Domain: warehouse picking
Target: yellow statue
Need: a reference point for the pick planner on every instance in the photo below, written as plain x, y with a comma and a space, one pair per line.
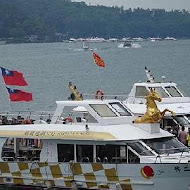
74, 93
153, 114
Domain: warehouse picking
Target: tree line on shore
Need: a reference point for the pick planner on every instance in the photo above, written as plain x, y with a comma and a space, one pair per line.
57, 20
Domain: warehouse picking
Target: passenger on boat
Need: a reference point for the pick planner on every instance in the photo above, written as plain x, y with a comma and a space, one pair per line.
26, 121
188, 137
175, 130
183, 136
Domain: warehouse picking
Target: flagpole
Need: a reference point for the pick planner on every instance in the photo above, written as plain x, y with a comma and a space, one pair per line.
99, 77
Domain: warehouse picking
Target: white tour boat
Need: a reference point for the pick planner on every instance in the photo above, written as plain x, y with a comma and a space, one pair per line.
172, 98
93, 144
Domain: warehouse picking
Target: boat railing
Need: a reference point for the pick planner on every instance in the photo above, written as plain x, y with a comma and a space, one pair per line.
167, 153
24, 117
120, 97
6, 158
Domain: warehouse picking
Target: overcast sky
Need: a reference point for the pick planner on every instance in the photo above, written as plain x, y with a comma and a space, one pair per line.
163, 4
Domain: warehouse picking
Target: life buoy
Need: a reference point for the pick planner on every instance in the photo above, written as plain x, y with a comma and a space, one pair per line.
99, 94
68, 119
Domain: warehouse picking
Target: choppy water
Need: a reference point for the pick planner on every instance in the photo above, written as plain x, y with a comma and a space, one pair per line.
49, 67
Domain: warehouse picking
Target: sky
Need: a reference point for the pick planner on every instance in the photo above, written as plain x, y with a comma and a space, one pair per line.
161, 4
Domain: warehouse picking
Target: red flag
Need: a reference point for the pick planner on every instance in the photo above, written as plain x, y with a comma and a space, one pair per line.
98, 60
19, 95
13, 77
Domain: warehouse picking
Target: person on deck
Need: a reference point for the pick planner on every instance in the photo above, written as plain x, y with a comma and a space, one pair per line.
183, 136
188, 137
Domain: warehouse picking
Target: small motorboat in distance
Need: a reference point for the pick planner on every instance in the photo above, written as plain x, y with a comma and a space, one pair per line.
129, 44
85, 46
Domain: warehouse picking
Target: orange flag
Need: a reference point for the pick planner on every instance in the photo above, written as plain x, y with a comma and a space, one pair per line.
98, 60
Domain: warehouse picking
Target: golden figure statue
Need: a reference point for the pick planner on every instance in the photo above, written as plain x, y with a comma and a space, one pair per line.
75, 95
153, 114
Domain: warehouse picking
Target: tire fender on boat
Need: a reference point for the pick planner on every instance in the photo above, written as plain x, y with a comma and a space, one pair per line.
68, 119
99, 94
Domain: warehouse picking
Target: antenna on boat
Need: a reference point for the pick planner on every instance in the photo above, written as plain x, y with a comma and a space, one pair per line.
75, 95
149, 75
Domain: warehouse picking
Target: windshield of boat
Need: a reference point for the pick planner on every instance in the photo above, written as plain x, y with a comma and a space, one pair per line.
120, 109
188, 117
103, 110
173, 91
181, 120
161, 92
140, 149
168, 145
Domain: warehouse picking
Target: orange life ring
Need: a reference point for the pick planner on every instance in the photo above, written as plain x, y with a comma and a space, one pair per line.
99, 94
68, 119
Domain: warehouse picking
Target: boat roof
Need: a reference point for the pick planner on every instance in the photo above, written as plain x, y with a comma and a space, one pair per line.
124, 132
172, 99
116, 127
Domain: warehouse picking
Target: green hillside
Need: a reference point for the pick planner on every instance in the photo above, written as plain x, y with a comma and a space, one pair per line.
55, 20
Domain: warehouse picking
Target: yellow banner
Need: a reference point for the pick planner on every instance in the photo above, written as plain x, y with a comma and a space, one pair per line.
59, 135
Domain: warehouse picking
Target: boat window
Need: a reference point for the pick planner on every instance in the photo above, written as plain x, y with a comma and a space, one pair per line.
141, 91
173, 91
140, 149
65, 152
24, 150
72, 114
120, 109
181, 120
132, 158
103, 110
168, 123
84, 153
111, 153
188, 117
161, 92
169, 145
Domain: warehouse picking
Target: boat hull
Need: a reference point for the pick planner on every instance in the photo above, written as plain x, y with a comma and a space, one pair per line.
96, 175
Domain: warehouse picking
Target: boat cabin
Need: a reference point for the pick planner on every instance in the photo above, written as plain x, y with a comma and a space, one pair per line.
89, 131
172, 98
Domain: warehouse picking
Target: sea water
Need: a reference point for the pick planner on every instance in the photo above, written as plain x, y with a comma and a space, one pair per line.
49, 67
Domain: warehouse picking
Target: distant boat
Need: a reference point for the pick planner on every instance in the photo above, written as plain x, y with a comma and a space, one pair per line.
170, 38
129, 44
139, 39
155, 39
85, 46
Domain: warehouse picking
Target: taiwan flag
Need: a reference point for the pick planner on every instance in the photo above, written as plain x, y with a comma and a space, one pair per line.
13, 77
98, 60
19, 95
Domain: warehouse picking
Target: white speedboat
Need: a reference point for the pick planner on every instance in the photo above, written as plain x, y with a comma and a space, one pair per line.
129, 44
153, 39
85, 46
172, 98
170, 38
93, 144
